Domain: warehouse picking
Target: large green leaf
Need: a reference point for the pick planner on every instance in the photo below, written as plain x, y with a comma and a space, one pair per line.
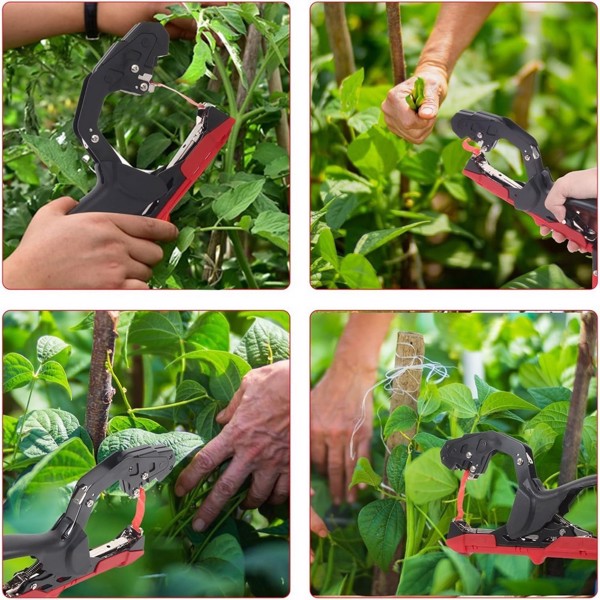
416, 578
61, 157
202, 56
53, 372
350, 89
427, 440
458, 399
382, 525
65, 464
454, 157
470, 577
402, 418
156, 330
182, 443
130, 422
395, 466
544, 396
44, 430
428, 479
274, 226
211, 331
555, 415
236, 200
9, 431
364, 473
375, 239
541, 439
151, 148
548, 277
263, 344
358, 273
375, 153
18, 371
206, 426
327, 249
501, 401
51, 347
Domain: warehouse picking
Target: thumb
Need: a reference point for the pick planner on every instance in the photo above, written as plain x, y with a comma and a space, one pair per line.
61, 206
431, 105
227, 413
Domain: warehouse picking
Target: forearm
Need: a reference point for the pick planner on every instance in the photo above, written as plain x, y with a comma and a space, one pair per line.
456, 25
361, 340
50, 19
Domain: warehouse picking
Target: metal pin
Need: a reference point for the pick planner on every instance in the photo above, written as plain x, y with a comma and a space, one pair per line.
143, 86
468, 455
479, 135
473, 469
519, 461
135, 69
89, 503
95, 139
145, 476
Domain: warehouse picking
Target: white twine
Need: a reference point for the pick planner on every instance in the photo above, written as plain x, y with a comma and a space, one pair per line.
436, 373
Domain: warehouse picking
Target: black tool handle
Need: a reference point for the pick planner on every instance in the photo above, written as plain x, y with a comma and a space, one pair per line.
582, 215
15, 546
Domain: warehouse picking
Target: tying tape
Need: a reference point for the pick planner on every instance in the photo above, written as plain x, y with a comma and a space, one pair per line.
139, 511
186, 98
460, 513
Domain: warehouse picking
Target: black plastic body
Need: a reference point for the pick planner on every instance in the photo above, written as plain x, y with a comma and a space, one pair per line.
534, 506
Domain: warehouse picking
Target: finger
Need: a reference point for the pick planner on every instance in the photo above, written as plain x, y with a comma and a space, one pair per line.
60, 206
260, 489
205, 462
179, 33
145, 227
134, 284
144, 251
227, 485
574, 247
318, 454
137, 270
431, 105
335, 469
317, 525
558, 237
544, 230
227, 413
281, 491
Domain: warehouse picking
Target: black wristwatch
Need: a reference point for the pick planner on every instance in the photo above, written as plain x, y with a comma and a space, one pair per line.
90, 15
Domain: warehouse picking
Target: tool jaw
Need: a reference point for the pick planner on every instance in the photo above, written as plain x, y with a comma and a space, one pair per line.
63, 554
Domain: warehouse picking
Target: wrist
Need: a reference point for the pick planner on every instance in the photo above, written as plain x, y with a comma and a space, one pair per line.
12, 273
431, 65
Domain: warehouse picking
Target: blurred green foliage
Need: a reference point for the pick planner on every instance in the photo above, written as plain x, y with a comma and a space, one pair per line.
526, 363
471, 239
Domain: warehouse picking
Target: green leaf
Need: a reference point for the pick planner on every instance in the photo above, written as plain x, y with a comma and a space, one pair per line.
395, 466
421, 166
211, 331
278, 167
544, 396
416, 578
454, 157
364, 473
9, 431
350, 89
156, 330
427, 479
182, 443
457, 398
65, 464
358, 273
206, 426
375, 239
61, 157
541, 439
268, 152
225, 371
49, 347
263, 344
469, 575
189, 390
555, 415
429, 402
427, 440
327, 249
465, 96
53, 372
484, 390
17, 371
548, 277
44, 430
151, 148
374, 153
382, 525
402, 419
198, 67
236, 200
274, 226
226, 35
500, 401
122, 422
219, 570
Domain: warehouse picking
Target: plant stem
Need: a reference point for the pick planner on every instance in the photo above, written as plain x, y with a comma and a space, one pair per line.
164, 406
240, 254
20, 434
122, 390
183, 361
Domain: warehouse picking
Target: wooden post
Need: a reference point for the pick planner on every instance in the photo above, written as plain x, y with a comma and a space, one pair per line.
101, 391
339, 39
410, 350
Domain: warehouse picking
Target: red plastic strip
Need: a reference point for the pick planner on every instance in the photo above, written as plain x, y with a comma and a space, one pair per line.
186, 98
585, 548
460, 513
139, 511
468, 145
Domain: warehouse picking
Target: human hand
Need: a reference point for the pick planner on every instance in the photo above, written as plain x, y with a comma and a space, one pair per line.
336, 404
86, 250
403, 120
256, 437
577, 184
118, 18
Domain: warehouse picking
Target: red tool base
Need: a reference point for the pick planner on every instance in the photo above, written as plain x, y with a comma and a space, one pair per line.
565, 547
196, 162
118, 560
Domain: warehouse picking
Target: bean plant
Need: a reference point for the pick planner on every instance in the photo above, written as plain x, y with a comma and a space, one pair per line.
234, 223
173, 372
400, 521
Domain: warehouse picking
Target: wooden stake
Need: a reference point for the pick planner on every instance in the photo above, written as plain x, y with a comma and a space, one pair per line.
339, 40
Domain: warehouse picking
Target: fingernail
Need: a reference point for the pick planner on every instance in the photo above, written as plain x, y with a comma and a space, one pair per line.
426, 112
198, 525
179, 490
